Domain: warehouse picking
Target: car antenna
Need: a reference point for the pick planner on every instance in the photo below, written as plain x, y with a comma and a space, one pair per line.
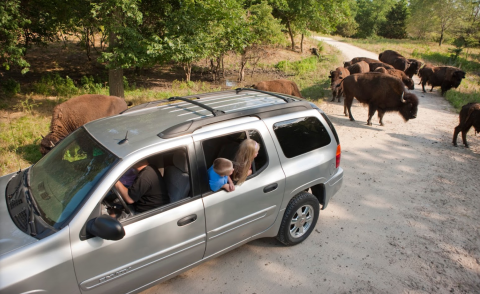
123, 141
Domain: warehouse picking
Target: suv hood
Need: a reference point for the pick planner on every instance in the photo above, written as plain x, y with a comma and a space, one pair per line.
11, 237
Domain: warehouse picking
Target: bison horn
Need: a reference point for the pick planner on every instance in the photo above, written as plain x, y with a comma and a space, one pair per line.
51, 144
403, 100
42, 136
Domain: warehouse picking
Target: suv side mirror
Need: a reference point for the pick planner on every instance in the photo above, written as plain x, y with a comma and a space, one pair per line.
106, 227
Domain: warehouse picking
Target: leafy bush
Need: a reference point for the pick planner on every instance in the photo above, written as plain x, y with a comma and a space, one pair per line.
298, 67
10, 87
55, 85
90, 86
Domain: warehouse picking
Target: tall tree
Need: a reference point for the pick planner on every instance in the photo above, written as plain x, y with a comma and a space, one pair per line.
259, 28
370, 15
395, 24
127, 46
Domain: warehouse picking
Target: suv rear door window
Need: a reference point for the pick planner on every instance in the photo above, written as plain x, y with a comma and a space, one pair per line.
301, 135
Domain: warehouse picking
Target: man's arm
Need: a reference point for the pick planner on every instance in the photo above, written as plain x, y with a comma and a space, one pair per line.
123, 192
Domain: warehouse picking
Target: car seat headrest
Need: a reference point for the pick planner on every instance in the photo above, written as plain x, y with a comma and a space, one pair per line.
180, 161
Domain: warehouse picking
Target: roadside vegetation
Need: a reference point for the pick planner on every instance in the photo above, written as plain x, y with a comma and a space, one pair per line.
25, 110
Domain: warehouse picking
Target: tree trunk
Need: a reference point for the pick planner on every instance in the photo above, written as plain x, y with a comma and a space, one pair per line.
301, 44
115, 75
243, 63
441, 37
187, 67
291, 35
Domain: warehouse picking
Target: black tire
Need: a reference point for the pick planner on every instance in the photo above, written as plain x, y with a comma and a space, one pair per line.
290, 234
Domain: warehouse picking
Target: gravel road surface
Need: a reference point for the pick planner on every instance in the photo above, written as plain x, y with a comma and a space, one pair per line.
407, 219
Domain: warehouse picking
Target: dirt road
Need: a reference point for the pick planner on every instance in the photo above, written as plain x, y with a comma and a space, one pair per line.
407, 219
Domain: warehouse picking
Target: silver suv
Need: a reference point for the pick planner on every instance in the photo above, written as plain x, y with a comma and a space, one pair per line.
56, 236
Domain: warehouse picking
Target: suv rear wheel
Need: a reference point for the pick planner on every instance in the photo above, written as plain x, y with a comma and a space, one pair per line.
299, 219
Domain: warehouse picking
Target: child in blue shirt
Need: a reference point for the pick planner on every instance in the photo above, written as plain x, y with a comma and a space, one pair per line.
219, 175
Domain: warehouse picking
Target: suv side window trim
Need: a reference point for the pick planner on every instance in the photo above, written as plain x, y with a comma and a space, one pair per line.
202, 165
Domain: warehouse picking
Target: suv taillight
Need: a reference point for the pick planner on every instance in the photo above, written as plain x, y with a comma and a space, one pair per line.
337, 158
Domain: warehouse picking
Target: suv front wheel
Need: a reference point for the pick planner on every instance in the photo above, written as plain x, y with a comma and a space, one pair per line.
299, 219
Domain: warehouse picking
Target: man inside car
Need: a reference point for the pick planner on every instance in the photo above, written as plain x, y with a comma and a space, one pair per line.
148, 190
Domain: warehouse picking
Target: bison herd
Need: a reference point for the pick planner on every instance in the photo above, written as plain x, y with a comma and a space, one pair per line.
380, 84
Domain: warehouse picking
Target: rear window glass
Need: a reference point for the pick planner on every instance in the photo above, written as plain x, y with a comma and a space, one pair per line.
301, 135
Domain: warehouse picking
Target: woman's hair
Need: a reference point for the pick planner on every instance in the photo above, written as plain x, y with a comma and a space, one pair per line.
243, 159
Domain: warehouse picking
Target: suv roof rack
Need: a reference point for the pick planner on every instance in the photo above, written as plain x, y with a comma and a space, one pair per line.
190, 126
286, 99
215, 112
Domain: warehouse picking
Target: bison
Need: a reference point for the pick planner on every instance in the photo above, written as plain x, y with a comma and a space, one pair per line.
374, 65
446, 77
279, 86
335, 77
469, 116
395, 59
72, 114
413, 68
380, 92
408, 82
357, 60
359, 67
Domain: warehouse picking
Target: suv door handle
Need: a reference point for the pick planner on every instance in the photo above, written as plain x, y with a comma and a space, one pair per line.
186, 220
270, 188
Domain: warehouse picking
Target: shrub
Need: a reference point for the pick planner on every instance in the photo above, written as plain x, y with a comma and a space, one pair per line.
10, 87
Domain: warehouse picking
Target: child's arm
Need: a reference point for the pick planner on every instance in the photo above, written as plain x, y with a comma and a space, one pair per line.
230, 183
229, 186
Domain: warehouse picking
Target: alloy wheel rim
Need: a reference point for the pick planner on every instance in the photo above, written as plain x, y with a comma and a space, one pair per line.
301, 221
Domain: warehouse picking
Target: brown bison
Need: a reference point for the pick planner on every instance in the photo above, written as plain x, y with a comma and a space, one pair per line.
72, 114
395, 59
413, 68
336, 77
359, 67
374, 65
279, 86
408, 82
469, 116
380, 92
358, 59
446, 77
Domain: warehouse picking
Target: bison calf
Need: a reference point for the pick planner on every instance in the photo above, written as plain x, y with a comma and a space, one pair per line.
469, 116
279, 86
336, 77
72, 114
380, 92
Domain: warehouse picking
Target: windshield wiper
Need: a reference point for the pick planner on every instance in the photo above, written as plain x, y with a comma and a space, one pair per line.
32, 205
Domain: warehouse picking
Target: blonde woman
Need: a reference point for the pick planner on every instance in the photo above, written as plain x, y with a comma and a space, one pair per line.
246, 153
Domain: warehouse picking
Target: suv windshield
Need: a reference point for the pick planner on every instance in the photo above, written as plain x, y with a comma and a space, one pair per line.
62, 179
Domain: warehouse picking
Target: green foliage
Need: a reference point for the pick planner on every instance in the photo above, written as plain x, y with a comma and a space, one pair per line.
90, 86
10, 87
298, 67
394, 26
55, 85
11, 26
26, 105
370, 15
